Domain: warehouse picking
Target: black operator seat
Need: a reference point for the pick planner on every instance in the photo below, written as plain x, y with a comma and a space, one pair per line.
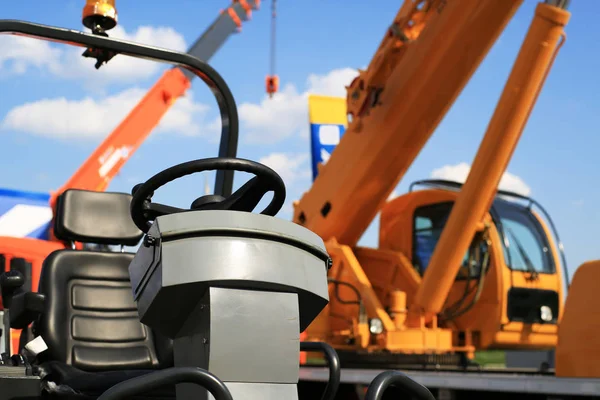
89, 320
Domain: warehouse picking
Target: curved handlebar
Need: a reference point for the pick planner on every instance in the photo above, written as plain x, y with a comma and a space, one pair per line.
224, 97
154, 380
333, 361
400, 380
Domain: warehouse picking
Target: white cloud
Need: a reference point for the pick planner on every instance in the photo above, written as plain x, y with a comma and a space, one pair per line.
286, 114
459, 173
270, 121
290, 166
295, 170
393, 195
332, 84
90, 118
18, 54
185, 117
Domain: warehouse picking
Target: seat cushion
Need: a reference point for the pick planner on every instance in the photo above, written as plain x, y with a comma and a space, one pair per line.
91, 321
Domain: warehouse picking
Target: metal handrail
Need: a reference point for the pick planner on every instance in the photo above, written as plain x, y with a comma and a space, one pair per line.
217, 85
170, 376
333, 362
400, 380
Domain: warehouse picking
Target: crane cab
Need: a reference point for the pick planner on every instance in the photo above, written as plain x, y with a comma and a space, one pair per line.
509, 290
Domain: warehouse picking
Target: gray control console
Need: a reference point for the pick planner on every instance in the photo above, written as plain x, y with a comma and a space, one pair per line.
234, 290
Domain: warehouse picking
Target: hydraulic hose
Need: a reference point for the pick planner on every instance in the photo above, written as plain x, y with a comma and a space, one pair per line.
146, 383
333, 362
397, 379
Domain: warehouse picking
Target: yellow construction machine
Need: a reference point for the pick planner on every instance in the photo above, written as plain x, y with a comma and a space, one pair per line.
458, 268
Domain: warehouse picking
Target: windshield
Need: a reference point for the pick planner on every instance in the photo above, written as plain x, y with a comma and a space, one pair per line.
429, 222
525, 245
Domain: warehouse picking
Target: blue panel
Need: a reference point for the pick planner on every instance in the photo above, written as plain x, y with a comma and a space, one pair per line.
43, 232
9, 199
320, 152
40, 198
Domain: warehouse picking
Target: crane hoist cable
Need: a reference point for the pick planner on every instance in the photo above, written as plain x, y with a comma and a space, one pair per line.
272, 81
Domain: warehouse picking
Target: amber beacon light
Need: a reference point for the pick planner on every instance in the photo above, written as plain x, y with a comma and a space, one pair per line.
99, 15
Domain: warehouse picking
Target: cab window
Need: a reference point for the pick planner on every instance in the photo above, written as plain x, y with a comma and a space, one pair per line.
429, 221
525, 245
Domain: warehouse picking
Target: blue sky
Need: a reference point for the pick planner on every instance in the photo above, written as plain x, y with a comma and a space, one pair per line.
319, 45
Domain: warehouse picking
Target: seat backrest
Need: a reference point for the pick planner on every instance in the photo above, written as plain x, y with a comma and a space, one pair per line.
91, 321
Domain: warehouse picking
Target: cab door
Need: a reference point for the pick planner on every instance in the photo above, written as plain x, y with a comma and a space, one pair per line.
534, 292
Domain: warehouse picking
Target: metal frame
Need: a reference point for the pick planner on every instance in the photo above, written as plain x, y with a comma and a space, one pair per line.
222, 93
384, 380
333, 362
170, 376
500, 382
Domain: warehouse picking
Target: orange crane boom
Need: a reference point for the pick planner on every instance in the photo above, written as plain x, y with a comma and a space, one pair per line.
456, 270
104, 163
107, 159
503, 133
393, 113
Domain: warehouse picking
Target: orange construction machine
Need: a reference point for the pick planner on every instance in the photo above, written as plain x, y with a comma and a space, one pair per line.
458, 268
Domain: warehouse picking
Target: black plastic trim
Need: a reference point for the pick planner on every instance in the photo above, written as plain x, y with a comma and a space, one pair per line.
524, 304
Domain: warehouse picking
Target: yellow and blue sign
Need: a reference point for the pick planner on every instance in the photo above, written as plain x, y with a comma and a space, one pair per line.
328, 122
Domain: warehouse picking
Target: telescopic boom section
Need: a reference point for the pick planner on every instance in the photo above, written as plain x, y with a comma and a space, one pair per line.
427, 57
106, 161
514, 107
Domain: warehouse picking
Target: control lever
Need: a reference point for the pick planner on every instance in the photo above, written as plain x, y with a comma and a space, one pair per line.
10, 283
6, 360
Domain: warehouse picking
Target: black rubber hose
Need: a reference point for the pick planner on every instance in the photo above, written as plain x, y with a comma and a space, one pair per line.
400, 380
333, 362
337, 283
154, 380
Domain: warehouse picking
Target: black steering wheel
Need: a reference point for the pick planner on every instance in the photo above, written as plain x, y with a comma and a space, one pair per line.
246, 198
